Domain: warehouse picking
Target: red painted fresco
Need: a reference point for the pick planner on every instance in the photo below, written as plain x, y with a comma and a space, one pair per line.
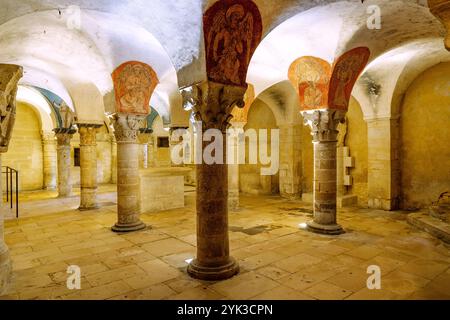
134, 83
345, 73
311, 76
232, 30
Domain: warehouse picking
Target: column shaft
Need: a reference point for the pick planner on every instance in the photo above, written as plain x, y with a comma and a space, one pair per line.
64, 162
213, 102
88, 167
325, 182
324, 130
49, 160
128, 185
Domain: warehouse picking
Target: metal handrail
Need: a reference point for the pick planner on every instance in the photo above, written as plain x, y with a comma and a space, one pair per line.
9, 187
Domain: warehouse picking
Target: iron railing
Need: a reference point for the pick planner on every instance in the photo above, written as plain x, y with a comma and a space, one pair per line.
10, 174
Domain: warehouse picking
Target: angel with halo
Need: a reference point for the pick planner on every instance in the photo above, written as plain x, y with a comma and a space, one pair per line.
229, 43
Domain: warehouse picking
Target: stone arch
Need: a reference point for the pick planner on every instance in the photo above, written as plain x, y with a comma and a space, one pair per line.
40, 105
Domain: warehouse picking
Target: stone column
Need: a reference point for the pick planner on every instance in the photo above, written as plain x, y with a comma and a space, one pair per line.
128, 210
290, 161
63, 137
233, 167
383, 179
151, 160
88, 166
213, 103
49, 160
323, 125
144, 138
9, 78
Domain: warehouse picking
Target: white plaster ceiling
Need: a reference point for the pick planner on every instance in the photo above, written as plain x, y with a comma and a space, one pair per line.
168, 36
79, 62
327, 31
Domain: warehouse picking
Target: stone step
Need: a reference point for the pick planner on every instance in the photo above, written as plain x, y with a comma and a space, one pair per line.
434, 226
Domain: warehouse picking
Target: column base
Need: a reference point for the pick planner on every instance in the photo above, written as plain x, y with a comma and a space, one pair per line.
331, 229
129, 227
213, 273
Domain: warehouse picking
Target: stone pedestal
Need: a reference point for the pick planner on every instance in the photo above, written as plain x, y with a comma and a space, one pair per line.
323, 128
212, 104
88, 166
49, 157
153, 198
63, 137
128, 212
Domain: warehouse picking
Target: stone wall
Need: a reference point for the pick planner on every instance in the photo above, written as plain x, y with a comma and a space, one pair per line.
25, 152
160, 156
259, 117
356, 140
425, 136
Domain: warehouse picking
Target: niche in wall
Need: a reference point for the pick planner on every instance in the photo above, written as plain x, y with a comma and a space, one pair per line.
76, 157
163, 142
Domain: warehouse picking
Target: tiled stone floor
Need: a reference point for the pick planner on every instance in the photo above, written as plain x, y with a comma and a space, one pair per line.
278, 260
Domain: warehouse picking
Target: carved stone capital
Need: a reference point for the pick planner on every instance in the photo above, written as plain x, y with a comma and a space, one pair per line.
9, 77
212, 103
126, 127
63, 139
324, 123
441, 9
88, 134
64, 135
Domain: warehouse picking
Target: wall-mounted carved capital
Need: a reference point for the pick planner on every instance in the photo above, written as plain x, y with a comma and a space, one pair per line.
48, 138
324, 123
441, 9
126, 127
88, 133
9, 77
212, 103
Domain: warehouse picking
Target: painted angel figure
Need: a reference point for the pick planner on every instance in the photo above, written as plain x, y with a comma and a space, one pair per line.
345, 73
135, 81
229, 43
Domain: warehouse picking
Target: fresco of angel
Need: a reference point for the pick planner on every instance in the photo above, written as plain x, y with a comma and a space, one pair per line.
229, 44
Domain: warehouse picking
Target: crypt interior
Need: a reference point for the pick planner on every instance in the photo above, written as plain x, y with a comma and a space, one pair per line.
349, 99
